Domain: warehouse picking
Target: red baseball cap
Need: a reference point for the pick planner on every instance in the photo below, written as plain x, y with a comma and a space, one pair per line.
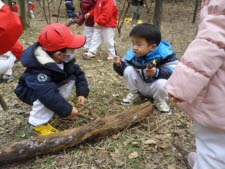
57, 36
10, 29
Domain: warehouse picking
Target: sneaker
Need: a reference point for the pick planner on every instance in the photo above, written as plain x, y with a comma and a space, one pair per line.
6, 78
88, 55
163, 108
130, 99
109, 58
192, 158
44, 129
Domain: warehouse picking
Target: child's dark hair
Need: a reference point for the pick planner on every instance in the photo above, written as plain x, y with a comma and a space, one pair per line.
149, 32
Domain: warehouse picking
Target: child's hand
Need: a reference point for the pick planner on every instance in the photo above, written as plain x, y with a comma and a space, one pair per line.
87, 15
96, 26
81, 100
117, 60
175, 100
73, 113
151, 72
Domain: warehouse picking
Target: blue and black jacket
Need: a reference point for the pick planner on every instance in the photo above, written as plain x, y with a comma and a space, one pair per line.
43, 77
70, 10
163, 55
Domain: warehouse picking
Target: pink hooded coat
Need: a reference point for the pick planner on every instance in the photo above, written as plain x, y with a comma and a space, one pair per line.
199, 79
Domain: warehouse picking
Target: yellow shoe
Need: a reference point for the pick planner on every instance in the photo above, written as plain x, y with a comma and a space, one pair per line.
45, 129
139, 22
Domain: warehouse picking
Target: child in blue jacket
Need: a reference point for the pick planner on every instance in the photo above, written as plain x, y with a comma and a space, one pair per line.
70, 10
50, 76
147, 66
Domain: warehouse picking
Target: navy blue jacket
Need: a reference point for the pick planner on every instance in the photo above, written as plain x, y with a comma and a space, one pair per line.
70, 10
165, 62
43, 77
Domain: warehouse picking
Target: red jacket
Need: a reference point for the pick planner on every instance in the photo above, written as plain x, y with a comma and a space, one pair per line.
86, 6
15, 8
105, 13
31, 6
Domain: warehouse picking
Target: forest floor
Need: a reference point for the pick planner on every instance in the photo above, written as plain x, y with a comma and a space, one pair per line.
155, 140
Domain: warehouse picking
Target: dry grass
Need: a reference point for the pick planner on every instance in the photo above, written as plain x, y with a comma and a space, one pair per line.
152, 139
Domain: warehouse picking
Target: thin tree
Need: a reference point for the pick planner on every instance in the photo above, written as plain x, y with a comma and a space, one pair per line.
23, 14
158, 12
59, 10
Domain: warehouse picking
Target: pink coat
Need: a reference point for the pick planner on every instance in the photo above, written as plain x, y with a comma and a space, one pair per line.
199, 79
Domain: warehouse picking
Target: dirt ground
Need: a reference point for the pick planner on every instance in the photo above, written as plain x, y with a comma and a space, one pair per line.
158, 142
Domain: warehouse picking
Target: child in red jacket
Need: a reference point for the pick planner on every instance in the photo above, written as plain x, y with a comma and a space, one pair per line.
105, 18
86, 6
31, 8
15, 7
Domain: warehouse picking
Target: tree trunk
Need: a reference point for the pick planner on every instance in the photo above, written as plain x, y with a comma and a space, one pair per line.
98, 129
59, 10
158, 12
23, 14
122, 16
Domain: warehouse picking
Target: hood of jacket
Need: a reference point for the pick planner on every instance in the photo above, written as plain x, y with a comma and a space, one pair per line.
35, 57
162, 51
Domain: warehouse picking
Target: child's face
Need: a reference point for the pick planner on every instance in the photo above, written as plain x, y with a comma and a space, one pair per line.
141, 47
60, 57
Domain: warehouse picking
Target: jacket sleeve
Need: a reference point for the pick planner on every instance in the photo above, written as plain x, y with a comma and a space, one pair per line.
48, 94
106, 13
120, 69
84, 9
81, 82
203, 56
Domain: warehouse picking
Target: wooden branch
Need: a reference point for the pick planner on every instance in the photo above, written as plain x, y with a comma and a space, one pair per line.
98, 129
3, 103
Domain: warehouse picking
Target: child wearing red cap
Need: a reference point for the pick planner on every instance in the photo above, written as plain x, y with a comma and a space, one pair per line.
50, 76
105, 18
10, 30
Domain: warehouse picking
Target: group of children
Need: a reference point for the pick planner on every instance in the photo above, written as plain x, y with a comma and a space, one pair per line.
197, 84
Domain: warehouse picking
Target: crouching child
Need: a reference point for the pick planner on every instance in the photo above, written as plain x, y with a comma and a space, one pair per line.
50, 75
147, 66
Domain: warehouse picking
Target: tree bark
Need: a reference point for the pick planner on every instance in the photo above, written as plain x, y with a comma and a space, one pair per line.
122, 16
23, 14
95, 130
158, 12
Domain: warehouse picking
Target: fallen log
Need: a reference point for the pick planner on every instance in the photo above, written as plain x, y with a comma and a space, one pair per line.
98, 129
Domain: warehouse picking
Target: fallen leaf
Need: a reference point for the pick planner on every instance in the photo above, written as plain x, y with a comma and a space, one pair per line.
133, 155
149, 142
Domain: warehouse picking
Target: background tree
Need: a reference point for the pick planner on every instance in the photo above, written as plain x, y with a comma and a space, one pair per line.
23, 17
158, 12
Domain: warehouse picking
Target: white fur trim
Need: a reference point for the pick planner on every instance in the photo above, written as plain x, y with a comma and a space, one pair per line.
42, 56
